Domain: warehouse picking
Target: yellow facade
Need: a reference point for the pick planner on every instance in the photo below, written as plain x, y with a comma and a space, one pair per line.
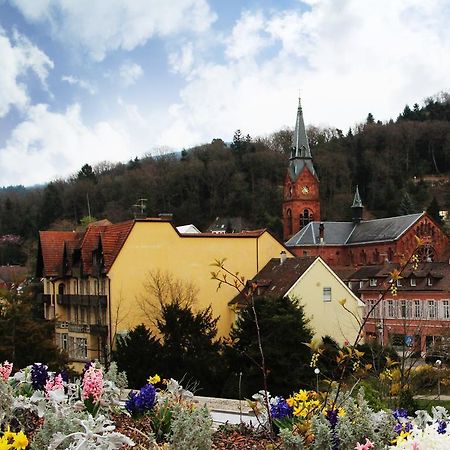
320, 290
157, 246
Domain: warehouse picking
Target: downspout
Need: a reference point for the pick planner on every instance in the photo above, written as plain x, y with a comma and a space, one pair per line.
109, 317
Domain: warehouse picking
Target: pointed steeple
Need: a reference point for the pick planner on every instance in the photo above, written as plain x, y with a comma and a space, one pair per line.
300, 152
300, 141
357, 207
357, 203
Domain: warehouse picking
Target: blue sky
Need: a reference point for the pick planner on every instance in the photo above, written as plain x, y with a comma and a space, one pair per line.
107, 80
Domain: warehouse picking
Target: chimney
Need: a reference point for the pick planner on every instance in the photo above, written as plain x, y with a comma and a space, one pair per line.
283, 257
166, 216
321, 233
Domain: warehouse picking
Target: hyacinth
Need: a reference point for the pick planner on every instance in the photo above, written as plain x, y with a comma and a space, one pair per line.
142, 401
279, 409
5, 370
430, 438
92, 384
39, 376
53, 384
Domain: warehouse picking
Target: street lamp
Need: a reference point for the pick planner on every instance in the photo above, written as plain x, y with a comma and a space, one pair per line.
317, 371
438, 365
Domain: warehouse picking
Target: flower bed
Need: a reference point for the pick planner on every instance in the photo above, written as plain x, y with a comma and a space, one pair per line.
43, 410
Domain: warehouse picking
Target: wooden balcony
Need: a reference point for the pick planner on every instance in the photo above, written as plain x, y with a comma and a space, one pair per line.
70, 327
81, 300
44, 298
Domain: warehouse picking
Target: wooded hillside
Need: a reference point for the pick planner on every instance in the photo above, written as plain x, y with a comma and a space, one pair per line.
399, 167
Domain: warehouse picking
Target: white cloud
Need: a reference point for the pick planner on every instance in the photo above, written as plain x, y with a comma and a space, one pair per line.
181, 61
348, 58
49, 145
130, 73
103, 26
248, 37
19, 57
83, 84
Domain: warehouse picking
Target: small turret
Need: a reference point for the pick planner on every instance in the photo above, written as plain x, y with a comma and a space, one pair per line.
357, 207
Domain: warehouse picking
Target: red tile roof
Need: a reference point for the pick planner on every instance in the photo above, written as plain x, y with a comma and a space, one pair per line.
98, 235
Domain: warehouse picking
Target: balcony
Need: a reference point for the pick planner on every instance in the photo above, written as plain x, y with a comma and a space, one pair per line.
95, 329
82, 300
44, 298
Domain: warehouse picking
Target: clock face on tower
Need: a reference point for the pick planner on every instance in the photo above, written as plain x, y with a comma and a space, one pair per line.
305, 189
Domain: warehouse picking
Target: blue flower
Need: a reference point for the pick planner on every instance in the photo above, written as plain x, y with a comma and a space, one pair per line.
142, 401
400, 413
39, 376
280, 409
442, 427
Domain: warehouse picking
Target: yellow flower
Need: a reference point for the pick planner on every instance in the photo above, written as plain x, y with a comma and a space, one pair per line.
20, 441
4, 444
8, 434
154, 379
290, 401
341, 412
301, 396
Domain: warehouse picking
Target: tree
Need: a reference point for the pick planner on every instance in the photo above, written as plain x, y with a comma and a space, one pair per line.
189, 347
190, 350
51, 206
407, 205
370, 119
86, 173
25, 338
433, 210
284, 331
138, 354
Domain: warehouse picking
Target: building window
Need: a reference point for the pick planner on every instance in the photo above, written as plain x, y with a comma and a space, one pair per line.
391, 309
47, 287
81, 348
62, 339
399, 283
373, 282
371, 305
327, 294
417, 309
446, 309
88, 286
102, 286
413, 281
361, 284
403, 309
82, 287
429, 281
431, 309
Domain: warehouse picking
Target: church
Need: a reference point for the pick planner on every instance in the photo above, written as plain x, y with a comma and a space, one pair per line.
354, 243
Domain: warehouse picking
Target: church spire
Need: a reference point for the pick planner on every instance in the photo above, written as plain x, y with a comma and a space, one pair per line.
300, 152
357, 207
300, 141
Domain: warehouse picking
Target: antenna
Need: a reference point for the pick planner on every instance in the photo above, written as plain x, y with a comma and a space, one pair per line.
140, 206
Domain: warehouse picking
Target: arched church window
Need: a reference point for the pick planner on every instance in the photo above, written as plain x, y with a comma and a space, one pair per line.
306, 217
390, 254
363, 257
375, 257
289, 221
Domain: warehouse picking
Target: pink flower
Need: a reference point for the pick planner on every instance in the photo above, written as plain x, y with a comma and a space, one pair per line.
93, 384
5, 370
365, 446
53, 384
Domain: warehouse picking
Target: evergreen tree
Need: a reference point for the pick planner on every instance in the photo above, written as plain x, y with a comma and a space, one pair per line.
284, 331
370, 119
51, 206
407, 205
138, 354
190, 351
433, 210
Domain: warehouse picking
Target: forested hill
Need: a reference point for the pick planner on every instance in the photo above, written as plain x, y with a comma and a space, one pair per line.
399, 167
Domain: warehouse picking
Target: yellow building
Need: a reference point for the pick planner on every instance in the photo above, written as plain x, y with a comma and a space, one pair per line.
95, 281
317, 287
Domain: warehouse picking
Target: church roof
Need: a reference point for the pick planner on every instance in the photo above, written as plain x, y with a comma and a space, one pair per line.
349, 233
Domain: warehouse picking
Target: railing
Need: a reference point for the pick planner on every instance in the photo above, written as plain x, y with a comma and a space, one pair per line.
82, 300
44, 298
82, 328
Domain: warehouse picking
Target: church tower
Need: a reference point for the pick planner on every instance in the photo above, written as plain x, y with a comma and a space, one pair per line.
301, 203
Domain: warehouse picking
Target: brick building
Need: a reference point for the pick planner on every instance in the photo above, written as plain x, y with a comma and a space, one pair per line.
358, 242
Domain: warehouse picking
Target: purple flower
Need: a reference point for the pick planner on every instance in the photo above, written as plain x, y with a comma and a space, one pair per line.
39, 376
442, 427
400, 413
332, 416
281, 409
142, 401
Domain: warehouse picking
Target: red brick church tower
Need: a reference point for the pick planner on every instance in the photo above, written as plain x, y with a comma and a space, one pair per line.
301, 203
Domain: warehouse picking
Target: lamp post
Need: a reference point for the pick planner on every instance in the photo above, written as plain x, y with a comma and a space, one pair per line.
438, 365
317, 372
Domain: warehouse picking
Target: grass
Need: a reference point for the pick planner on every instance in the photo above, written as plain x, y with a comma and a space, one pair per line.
427, 404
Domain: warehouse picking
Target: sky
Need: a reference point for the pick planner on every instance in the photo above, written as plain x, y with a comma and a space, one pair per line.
110, 80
